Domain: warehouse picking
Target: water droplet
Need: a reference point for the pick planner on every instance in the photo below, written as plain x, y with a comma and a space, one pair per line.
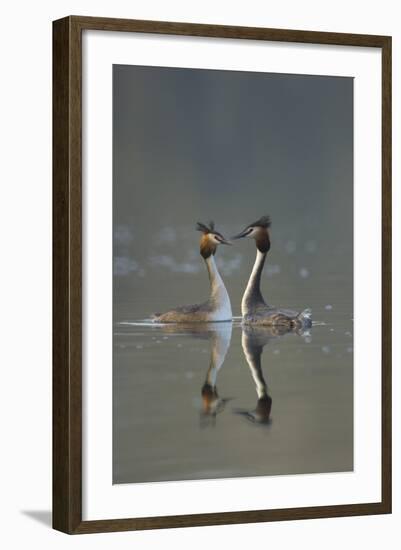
276, 352
328, 307
326, 349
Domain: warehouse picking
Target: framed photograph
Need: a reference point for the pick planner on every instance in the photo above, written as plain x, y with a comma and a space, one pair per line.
222, 274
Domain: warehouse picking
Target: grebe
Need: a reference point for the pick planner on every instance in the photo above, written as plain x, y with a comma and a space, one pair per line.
254, 308
218, 306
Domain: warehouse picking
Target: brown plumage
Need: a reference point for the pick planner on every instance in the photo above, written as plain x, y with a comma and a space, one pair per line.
207, 246
218, 306
253, 306
262, 241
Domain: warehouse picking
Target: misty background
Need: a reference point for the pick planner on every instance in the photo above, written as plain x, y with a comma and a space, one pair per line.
193, 145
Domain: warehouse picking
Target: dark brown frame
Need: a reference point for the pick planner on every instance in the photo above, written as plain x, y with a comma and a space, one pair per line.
67, 274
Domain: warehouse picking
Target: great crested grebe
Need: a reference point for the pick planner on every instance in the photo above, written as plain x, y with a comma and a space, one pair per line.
218, 306
254, 308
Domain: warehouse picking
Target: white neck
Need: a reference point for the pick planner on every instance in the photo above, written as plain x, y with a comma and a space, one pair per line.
253, 355
220, 343
252, 295
219, 298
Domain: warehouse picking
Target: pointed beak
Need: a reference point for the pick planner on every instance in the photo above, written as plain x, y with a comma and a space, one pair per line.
241, 235
222, 240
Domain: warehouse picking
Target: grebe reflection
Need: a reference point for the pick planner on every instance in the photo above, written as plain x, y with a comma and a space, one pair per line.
254, 339
219, 335
212, 403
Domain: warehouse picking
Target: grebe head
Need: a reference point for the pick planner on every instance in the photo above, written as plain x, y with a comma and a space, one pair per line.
210, 239
259, 231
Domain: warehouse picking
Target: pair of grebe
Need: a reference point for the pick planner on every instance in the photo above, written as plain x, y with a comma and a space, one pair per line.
255, 311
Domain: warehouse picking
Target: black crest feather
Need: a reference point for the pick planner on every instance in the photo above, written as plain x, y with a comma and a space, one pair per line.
205, 228
264, 221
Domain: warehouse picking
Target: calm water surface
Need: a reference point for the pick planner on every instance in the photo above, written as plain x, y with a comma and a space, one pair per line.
217, 400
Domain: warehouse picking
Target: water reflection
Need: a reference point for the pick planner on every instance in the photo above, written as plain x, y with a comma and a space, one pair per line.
219, 335
220, 384
253, 341
212, 403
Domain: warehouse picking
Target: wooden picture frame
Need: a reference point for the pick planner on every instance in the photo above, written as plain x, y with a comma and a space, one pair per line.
67, 274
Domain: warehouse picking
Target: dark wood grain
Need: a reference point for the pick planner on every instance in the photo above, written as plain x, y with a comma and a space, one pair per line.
67, 274
225, 31
67, 277
229, 518
386, 276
